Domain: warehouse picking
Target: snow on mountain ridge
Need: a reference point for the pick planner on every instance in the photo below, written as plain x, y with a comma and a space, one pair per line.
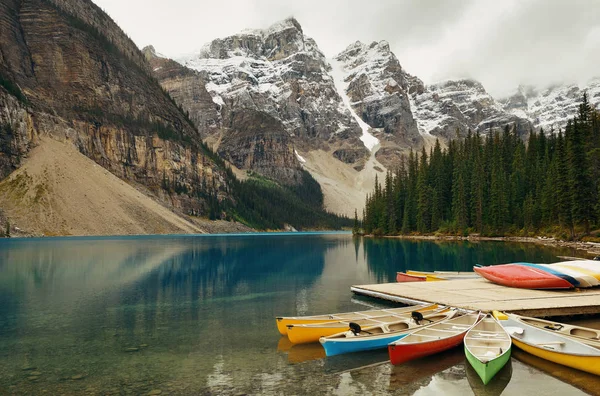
449, 108
552, 107
337, 73
377, 89
281, 72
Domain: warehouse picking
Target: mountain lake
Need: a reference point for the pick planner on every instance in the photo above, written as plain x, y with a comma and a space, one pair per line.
187, 315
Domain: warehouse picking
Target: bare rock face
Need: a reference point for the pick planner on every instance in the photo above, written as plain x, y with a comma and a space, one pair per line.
188, 89
378, 90
247, 138
79, 78
450, 108
282, 73
552, 107
17, 133
259, 142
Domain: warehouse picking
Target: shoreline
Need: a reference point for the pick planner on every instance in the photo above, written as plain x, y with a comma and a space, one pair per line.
591, 249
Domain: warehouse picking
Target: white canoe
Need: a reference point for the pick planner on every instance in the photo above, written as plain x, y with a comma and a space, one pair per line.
582, 334
552, 346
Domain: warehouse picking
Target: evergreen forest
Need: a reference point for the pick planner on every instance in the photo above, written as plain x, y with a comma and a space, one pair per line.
496, 185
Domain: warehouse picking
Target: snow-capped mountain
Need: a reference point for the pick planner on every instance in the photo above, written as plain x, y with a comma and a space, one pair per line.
377, 91
270, 101
280, 72
552, 107
391, 100
452, 106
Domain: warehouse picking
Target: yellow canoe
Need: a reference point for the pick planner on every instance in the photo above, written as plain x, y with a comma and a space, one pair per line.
307, 333
552, 346
284, 321
443, 275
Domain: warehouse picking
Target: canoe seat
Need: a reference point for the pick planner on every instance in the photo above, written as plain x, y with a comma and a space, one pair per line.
490, 354
485, 338
442, 330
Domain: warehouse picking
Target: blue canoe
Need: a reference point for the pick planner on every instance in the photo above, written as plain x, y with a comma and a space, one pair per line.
377, 337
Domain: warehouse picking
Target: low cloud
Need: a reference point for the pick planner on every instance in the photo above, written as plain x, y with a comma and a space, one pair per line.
500, 43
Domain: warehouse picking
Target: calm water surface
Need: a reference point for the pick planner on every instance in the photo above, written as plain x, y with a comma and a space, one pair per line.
195, 315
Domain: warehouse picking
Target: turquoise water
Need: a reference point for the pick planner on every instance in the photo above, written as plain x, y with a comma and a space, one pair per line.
195, 315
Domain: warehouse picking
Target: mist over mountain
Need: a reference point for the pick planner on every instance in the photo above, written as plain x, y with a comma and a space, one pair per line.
501, 44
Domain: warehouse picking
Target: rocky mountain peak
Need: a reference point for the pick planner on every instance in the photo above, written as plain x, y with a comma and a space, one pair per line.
550, 108
149, 52
280, 40
377, 88
277, 77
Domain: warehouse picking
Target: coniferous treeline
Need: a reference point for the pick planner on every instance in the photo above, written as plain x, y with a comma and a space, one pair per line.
265, 204
496, 185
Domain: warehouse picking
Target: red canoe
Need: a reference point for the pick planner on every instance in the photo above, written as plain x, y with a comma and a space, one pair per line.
524, 277
404, 277
432, 339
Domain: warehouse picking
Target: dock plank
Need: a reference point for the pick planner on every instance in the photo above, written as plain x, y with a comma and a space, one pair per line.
480, 294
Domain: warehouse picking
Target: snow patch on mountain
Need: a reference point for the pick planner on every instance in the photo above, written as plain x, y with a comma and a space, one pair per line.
450, 108
377, 88
338, 75
278, 71
300, 158
552, 107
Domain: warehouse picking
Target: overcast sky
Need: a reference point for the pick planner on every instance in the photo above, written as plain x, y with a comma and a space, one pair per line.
502, 43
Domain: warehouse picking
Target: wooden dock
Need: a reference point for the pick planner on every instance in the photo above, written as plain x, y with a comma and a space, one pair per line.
479, 294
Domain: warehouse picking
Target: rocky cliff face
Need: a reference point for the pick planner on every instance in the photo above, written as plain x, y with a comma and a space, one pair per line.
378, 90
247, 138
79, 78
552, 107
282, 74
450, 108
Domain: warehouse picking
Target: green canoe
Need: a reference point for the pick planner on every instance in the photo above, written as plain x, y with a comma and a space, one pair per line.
487, 348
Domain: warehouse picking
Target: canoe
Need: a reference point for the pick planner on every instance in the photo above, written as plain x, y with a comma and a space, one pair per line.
496, 386
591, 266
582, 334
584, 280
284, 321
432, 339
552, 346
487, 348
553, 271
376, 337
404, 277
522, 276
442, 275
306, 333
586, 270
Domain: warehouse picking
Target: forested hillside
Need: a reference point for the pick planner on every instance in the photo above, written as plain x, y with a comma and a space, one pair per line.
496, 185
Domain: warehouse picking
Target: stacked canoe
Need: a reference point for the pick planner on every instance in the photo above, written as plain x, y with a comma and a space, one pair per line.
435, 276
563, 275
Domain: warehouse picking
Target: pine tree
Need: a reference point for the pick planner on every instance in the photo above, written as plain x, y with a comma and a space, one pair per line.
579, 182
424, 197
459, 194
356, 227
478, 188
